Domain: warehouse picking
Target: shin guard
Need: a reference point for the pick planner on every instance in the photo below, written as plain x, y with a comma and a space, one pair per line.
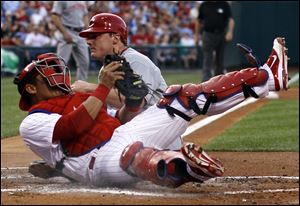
216, 89
162, 167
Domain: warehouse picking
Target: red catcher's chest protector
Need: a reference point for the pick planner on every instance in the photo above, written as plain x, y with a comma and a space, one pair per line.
100, 132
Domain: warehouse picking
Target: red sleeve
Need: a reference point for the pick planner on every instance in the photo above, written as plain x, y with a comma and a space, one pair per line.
76, 122
73, 124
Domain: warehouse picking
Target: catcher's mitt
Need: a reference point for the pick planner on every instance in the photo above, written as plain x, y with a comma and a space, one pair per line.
132, 86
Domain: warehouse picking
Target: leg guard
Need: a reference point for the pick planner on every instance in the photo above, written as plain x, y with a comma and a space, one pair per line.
170, 168
162, 167
216, 89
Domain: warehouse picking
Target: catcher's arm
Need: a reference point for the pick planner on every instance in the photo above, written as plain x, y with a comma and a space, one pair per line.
112, 99
125, 114
78, 121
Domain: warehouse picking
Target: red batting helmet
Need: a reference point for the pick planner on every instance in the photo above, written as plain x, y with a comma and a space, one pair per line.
52, 68
106, 23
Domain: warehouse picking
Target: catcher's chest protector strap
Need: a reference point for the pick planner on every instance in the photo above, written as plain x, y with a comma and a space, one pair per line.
216, 89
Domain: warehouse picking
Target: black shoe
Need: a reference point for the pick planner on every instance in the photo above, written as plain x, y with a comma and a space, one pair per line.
39, 168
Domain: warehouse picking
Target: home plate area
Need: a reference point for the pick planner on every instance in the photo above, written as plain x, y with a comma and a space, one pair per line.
16, 181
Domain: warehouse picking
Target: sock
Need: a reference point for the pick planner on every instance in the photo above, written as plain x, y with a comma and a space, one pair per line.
271, 81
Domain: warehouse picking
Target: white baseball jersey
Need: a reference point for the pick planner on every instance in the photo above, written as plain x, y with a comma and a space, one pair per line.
149, 72
154, 127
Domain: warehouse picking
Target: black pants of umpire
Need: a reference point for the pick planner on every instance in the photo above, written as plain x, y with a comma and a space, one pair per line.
213, 42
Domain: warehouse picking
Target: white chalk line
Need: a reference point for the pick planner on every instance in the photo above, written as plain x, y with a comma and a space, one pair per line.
46, 190
14, 168
254, 177
15, 177
213, 179
210, 119
19, 176
262, 191
294, 79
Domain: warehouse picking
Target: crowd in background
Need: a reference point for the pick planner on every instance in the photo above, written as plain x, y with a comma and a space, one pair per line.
163, 23
149, 22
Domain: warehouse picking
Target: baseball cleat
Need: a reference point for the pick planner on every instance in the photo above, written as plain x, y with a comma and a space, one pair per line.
199, 164
277, 62
39, 168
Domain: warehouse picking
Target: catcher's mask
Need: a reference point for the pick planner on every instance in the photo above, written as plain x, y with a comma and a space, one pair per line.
106, 23
52, 68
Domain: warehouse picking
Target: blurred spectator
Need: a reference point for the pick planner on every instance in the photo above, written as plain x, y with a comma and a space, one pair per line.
8, 29
151, 14
97, 7
188, 55
143, 36
149, 22
36, 38
20, 35
10, 6
21, 14
39, 14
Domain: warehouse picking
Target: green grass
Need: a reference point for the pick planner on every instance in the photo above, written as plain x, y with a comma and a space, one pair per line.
11, 116
171, 77
182, 77
274, 127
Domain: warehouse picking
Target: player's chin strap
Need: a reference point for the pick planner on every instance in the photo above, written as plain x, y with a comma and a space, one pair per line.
216, 89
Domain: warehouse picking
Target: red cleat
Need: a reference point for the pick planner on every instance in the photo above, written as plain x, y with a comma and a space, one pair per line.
277, 62
200, 165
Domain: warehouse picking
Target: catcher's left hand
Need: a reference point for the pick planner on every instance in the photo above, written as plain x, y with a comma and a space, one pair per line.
132, 86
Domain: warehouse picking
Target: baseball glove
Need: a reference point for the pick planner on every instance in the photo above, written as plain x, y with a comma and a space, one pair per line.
132, 86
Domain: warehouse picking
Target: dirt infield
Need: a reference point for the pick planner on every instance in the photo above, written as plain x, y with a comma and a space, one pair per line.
250, 177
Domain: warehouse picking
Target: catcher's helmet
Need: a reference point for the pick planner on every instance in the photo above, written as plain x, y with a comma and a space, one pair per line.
51, 67
106, 23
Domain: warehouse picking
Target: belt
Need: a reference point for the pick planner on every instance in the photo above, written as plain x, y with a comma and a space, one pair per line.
78, 29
